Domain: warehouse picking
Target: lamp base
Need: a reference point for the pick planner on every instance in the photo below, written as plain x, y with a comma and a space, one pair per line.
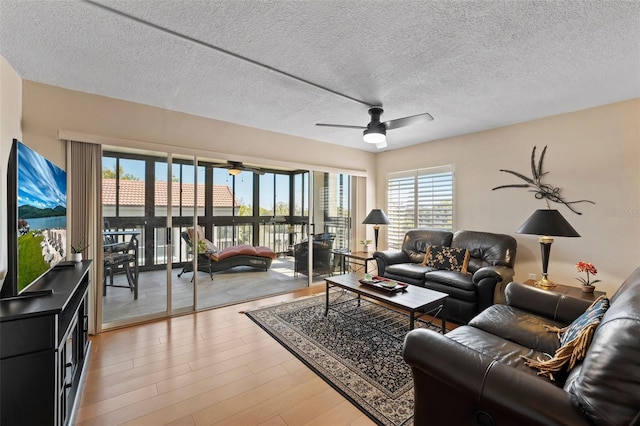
545, 283
545, 249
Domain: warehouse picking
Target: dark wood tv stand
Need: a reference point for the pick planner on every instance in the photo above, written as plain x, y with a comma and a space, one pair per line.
44, 349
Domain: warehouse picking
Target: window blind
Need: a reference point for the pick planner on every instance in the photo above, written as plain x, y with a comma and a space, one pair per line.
419, 199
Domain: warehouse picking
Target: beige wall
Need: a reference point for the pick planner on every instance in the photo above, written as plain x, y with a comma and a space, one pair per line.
10, 115
592, 154
50, 111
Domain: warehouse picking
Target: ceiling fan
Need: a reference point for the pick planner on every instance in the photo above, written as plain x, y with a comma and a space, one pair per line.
376, 132
236, 167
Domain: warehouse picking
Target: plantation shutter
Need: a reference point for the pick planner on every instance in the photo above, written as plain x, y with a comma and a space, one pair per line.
401, 206
435, 199
419, 199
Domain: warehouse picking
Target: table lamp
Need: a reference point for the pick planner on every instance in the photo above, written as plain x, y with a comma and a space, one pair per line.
376, 218
547, 223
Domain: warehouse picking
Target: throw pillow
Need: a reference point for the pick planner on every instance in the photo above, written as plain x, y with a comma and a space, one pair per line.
205, 244
199, 231
209, 246
574, 340
448, 258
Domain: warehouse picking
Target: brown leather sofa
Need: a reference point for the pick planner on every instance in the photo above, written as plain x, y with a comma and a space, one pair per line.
490, 269
477, 369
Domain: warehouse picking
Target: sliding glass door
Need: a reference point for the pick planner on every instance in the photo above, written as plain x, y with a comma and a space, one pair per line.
187, 201
330, 221
154, 205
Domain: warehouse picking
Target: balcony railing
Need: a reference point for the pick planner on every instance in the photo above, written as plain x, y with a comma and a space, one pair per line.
280, 237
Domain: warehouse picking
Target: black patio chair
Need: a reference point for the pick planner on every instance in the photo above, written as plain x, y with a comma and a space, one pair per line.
119, 257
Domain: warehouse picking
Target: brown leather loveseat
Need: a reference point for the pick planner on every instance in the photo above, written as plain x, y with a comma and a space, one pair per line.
489, 270
479, 370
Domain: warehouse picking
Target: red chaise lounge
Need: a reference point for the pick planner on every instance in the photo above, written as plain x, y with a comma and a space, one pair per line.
212, 260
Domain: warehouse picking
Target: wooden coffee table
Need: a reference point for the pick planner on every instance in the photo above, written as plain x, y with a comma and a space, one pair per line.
417, 301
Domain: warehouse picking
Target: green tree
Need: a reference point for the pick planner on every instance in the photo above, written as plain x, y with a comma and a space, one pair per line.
282, 209
265, 212
108, 173
245, 210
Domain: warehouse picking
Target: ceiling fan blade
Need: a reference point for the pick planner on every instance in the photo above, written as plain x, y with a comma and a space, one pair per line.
344, 126
254, 170
408, 121
381, 145
238, 165
222, 165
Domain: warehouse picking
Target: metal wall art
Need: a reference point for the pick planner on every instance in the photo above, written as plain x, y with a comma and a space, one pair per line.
542, 190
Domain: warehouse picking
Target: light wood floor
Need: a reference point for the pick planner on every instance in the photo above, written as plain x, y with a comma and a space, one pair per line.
210, 368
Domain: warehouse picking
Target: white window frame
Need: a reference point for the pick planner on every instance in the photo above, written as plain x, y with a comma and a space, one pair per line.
411, 195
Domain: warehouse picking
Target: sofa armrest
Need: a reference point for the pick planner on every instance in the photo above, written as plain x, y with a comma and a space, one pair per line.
498, 273
482, 388
491, 282
546, 303
389, 257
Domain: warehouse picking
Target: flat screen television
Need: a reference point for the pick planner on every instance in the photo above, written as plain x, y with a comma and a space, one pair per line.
37, 218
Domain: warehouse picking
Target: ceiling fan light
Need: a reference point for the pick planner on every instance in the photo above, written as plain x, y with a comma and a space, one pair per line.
235, 172
374, 136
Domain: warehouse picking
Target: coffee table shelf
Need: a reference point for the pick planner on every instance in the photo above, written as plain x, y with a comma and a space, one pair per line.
416, 301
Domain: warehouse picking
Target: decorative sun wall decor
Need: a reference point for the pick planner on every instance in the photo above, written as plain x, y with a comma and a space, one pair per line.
542, 190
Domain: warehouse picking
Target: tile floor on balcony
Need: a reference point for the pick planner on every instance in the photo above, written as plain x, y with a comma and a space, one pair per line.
227, 287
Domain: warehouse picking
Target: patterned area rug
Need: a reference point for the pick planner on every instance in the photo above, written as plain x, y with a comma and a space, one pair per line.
356, 349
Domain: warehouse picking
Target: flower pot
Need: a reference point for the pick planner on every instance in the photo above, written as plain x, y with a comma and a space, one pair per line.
75, 257
587, 288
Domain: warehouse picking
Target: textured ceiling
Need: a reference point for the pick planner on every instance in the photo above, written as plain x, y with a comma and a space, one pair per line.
473, 65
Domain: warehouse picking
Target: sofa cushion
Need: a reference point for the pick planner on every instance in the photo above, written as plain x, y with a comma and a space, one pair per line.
243, 249
416, 241
447, 258
574, 340
502, 350
234, 251
486, 248
519, 326
415, 271
263, 251
455, 284
111, 259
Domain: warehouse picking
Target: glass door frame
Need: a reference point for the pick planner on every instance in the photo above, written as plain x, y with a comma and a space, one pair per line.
320, 186
150, 235
173, 240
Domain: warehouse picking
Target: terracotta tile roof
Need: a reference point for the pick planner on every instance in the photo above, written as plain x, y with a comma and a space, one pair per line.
132, 194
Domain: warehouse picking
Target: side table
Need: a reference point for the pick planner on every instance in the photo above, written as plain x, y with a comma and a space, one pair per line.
570, 291
360, 259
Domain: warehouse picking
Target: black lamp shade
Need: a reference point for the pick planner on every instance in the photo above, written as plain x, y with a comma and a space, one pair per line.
376, 217
547, 222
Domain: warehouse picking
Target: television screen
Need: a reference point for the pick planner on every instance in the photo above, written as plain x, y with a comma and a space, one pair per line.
41, 213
